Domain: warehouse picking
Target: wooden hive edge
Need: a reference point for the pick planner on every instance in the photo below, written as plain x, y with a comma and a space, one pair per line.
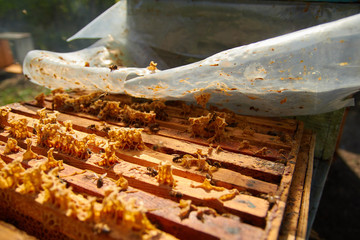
281, 176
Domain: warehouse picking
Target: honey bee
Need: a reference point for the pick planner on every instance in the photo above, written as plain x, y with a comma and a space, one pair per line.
209, 162
158, 146
152, 172
177, 158
91, 127
99, 180
154, 127
113, 67
217, 164
106, 129
176, 194
89, 151
212, 181
101, 228
213, 117
271, 197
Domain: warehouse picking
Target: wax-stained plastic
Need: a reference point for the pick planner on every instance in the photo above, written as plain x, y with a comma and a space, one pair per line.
310, 71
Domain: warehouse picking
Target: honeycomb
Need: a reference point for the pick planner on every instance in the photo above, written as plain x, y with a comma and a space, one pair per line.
54, 135
109, 158
210, 126
42, 182
127, 138
29, 154
103, 109
11, 146
165, 175
40, 99
18, 128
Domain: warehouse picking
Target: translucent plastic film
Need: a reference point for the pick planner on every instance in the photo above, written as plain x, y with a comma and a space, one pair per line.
310, 71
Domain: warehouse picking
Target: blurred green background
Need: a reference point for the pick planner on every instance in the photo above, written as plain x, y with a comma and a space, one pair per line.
50, 23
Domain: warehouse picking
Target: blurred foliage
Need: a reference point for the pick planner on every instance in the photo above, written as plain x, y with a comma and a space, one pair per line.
15, 88
51, 22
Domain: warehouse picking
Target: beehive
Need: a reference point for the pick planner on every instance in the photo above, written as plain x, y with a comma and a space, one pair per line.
231, 186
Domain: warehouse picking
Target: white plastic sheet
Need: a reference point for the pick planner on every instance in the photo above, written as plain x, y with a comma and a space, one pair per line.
310, 71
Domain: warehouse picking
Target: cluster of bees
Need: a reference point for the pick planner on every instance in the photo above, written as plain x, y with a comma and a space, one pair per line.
211, 126
132, 116
63, 102
94, 104
113, 110
106, 110
42, 181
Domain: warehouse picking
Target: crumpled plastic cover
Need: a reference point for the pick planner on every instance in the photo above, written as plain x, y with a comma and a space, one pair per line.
310, 71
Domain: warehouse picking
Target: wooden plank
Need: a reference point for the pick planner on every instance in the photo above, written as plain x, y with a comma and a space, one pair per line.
249, 208
176, 115
6, 57
233, 134
276, 213
234, 161
305, 204
150, 158
245, 165
290, 164
326, 126
294, 202
231, 143
267, 174
10, 232
37, 216
286, 124
161, 211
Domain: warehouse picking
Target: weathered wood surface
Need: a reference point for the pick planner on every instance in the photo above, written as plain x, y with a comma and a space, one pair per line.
9, 232
302, 229
299, 197
258, 177
162, 211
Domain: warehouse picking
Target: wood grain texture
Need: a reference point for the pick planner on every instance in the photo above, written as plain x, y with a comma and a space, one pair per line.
261, 172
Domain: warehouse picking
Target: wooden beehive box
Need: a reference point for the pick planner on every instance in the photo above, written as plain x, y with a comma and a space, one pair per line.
253, 165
